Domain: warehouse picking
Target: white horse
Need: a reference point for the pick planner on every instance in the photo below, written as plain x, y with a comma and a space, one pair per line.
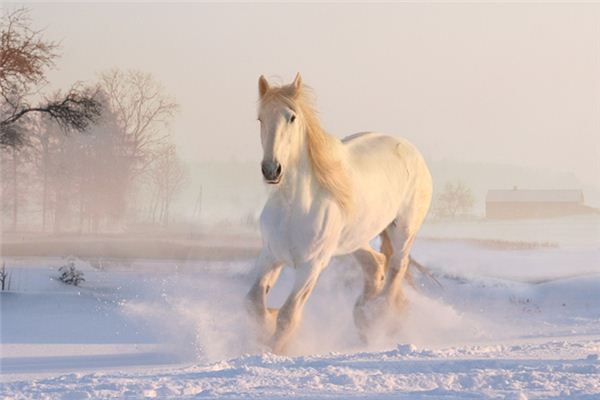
331, 197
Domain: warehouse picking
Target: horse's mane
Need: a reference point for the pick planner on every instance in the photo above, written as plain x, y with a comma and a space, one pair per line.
324, 150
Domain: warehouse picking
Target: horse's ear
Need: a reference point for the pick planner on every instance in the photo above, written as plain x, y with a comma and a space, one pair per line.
297, 84
263, 86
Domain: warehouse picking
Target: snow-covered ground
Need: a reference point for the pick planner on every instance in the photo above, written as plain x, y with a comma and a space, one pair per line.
507, 323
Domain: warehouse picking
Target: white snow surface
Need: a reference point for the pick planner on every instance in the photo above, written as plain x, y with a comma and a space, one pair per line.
518, 324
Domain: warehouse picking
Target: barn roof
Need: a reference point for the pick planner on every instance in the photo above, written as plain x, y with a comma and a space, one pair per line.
534, 196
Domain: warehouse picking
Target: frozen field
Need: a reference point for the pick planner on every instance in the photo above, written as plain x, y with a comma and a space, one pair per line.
509, 322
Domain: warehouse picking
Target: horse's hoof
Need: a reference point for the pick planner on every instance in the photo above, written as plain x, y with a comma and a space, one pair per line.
278, 347
367, 315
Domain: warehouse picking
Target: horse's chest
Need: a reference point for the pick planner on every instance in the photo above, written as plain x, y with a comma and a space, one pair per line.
295, 237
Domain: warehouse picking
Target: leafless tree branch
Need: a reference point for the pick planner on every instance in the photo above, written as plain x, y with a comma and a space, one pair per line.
24, 57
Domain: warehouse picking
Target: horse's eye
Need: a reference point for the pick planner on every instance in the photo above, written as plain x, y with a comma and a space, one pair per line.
292, 118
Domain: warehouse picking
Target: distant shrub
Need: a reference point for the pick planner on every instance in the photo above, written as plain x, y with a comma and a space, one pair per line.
456, 199
70, 275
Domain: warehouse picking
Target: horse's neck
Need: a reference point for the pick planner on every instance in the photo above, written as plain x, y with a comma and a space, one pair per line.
300, 185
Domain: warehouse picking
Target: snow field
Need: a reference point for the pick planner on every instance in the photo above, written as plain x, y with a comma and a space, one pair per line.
518, 324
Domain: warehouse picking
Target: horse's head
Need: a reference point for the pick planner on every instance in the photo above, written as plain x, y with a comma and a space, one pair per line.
280, 127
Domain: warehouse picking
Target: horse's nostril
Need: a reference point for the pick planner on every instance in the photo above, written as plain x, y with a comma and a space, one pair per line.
271, 170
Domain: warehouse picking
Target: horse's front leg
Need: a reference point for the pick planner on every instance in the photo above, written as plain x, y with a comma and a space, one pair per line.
256, 300
290, 313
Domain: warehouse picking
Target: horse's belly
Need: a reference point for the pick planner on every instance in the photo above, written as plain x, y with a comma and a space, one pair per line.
363, 228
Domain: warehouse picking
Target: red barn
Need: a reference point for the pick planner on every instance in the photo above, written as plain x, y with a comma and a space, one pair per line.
517, 203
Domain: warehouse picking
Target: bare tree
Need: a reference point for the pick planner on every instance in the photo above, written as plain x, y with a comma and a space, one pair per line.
81, 177
167, 176
25, 54
16, 179
24, 58
455, 199
103, 185
43, 161
143, 109
4, 278
75, 110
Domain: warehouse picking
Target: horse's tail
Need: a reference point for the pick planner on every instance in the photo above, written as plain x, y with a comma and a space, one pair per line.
422, 269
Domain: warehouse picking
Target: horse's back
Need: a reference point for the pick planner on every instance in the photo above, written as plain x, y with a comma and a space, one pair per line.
378, 148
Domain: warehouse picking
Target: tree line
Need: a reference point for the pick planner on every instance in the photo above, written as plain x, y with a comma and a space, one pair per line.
87, 159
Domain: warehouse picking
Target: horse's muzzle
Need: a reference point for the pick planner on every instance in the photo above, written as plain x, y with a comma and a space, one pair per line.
271, 171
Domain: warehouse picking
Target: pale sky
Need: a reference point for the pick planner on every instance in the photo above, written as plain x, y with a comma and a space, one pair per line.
499, 83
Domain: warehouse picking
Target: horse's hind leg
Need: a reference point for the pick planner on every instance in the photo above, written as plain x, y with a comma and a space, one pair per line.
400, 242
373, 266
256, 299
